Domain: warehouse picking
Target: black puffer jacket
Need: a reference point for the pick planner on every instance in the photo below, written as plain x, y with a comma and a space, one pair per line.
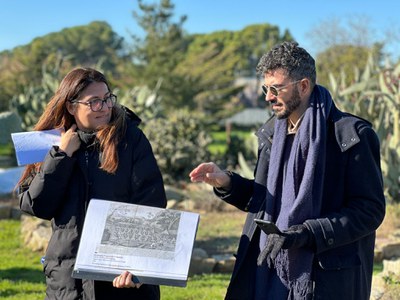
61, 191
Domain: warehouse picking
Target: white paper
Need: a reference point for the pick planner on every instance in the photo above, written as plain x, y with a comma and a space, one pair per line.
32, 147
154, 244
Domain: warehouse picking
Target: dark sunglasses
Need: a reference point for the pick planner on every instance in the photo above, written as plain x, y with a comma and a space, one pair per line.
274, 90
97, 104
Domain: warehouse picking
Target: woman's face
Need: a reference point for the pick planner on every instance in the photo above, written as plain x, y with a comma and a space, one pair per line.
86, 119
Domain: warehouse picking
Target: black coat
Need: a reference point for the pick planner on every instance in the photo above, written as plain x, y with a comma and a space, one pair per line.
61, 191
353, 207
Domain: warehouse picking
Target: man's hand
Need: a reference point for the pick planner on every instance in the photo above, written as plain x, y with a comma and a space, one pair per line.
296, 236
125, 281
210, 173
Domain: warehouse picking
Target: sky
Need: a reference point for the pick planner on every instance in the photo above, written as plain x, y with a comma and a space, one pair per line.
23, 20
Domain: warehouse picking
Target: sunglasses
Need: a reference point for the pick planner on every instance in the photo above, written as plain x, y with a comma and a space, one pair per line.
274, 90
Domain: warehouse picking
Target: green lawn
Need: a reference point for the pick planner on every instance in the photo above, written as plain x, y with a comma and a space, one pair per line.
6, 150
21, 276
20, 269
199, 287
218, 146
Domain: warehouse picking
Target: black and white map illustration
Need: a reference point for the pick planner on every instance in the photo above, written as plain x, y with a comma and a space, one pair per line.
154, 244
134, 230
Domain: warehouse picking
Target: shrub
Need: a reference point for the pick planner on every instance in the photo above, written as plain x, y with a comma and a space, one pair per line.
179, 142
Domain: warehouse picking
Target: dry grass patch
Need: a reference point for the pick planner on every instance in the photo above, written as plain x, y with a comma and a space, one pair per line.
219, 232
391, 223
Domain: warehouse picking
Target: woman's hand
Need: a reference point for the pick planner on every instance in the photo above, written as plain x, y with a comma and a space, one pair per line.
70, 141
125, 281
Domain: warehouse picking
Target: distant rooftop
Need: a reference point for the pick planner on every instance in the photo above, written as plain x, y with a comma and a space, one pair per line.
250, 117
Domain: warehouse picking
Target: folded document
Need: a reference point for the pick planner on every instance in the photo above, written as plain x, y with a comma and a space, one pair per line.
32, 146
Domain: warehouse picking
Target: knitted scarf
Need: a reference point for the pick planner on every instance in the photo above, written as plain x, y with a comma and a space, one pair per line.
293, 199
88, 138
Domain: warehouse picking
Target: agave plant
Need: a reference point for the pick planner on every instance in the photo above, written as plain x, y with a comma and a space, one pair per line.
375, 96
143, 101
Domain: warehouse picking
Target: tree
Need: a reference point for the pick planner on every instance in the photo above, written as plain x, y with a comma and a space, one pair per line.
91, 45
356, 31
344, 61
213, 62
157, 54
343, 45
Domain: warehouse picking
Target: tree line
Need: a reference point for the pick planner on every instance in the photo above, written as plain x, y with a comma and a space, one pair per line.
197, 70
174, 78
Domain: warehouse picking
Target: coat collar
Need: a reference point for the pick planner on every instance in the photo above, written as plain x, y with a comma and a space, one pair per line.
345, 126
266, 131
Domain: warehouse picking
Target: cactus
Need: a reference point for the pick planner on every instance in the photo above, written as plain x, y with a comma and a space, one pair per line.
247, 160
143, 101
179, 141
375, 96
30, 104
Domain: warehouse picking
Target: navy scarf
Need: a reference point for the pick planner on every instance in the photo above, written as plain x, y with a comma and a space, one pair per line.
299, 197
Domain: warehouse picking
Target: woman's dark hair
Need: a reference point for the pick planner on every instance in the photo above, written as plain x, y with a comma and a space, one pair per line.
56, 115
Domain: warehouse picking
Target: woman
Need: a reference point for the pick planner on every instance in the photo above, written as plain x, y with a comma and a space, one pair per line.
102, 154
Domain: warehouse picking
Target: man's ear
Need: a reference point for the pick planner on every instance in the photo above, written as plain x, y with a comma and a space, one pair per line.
305, 87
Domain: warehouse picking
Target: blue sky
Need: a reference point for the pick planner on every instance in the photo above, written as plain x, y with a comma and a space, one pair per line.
23, 20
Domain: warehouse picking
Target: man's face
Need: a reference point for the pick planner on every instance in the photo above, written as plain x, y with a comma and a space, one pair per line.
288, 99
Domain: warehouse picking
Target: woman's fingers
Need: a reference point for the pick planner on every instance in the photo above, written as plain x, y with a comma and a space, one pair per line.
69, 140
125, 281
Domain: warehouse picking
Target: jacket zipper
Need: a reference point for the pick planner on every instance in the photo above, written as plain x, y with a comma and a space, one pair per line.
87, 159
88, 183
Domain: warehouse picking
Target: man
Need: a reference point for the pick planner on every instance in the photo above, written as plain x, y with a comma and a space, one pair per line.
318, 179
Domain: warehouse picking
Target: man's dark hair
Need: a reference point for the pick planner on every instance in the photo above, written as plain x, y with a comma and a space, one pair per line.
288, 56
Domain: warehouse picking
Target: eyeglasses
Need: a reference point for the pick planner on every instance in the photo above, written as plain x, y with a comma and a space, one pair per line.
97, 104
274, 90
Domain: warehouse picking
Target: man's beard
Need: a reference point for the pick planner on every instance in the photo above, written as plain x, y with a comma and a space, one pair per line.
290, 106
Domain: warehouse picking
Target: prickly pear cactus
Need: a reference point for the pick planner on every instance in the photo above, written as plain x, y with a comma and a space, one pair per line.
30, 104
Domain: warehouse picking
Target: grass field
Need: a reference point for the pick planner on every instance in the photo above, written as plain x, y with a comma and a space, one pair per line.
20, 269
6, 150
219, 143
21, 276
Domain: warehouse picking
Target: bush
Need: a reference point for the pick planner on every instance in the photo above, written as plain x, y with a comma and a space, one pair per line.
179, 143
